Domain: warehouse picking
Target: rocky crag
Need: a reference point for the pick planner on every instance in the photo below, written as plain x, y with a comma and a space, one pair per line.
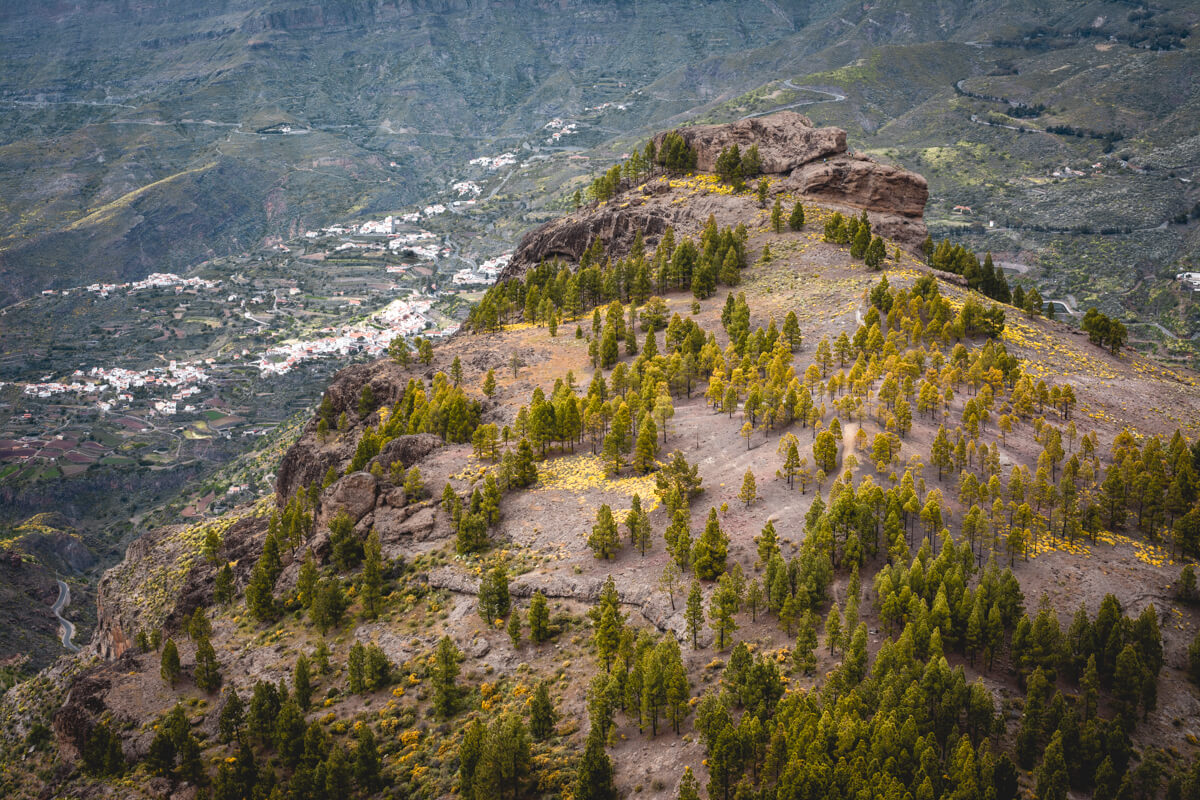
800, 158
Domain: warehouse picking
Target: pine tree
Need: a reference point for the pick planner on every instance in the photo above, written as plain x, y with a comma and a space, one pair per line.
541, 713
414, 486
1052, 782
594, 780
646, 450
337, 765
875, 254
860, 242
777, 217
372, 577
679, 539
398, 351
489, 383
229, 723
749, 491
833, 629
689, 787
694, 614
608, 634
207, 672
223, 588
638, 524
306, 582
260, 600
796, 219
710, 550
505, 761
356, 668
767, 543
470, 750
754, 599
302, 683
669, 581
804, 655
494, 597
170, 667
539, 618
604, 540
288, 735
445, 674
514, 628
722, 606
329, 604
366, 768
198, 626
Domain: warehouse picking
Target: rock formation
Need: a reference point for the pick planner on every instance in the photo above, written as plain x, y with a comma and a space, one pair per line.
808, 161
785, 141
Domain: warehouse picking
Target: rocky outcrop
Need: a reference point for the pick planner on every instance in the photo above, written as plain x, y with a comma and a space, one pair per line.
163, 579
643, 600
785, 141
353, 494
566, 238
309, 458
408, 450
814, 164
862, 183
84, 704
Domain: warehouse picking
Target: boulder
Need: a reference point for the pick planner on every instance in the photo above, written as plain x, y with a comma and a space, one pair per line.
396, 526
408, 450
785, 141
353, 494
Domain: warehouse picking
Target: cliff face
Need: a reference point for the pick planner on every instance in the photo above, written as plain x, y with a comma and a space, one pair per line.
807, 161
163, 577
568, 237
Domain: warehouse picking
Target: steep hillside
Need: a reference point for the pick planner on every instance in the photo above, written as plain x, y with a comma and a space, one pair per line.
588, 549
34, 556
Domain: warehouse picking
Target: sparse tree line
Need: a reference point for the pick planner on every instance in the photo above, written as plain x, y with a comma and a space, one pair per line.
675, 156
552, 292
856, 232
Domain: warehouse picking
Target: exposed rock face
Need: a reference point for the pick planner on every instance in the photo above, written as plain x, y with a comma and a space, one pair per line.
161, 582
408, 450
785, 141
862, 183
75, 720
354, 494
309, 458
568, 237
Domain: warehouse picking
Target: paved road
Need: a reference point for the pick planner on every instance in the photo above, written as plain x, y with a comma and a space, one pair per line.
835, 98
68, 627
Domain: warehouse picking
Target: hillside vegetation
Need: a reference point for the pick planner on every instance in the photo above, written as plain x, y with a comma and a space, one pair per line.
810, 528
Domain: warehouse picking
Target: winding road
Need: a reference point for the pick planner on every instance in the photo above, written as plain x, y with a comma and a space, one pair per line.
68, 627
834, 98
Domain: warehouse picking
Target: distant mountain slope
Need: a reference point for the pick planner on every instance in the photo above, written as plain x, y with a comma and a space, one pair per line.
129, 139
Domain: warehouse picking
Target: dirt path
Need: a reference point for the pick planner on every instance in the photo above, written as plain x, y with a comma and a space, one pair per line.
849, 431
